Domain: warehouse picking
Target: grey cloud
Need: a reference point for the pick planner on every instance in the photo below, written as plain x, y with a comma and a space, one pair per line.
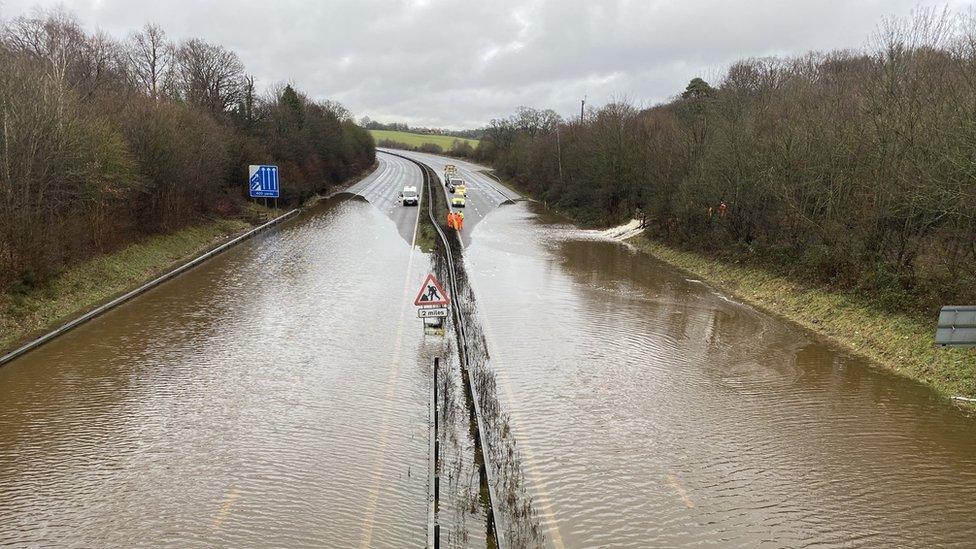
457, 63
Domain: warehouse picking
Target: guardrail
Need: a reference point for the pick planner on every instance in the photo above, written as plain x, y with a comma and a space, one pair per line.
431, 181
65, 328
433, 495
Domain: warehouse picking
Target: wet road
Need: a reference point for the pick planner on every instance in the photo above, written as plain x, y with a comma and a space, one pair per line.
276, 395
484, 193
382, 189
651, 411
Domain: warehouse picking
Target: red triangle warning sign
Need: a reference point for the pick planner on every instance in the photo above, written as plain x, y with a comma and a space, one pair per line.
431, 293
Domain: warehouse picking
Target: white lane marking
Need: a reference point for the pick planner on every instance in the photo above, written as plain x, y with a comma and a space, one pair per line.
531, 466
224, 511
378, 192
386, 166
682, 493
370, 519
393, 172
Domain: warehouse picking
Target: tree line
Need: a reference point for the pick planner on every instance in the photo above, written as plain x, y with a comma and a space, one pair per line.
855, 169
103, 140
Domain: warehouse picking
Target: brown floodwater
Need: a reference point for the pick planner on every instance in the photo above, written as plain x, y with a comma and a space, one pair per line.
652, 411
277, 395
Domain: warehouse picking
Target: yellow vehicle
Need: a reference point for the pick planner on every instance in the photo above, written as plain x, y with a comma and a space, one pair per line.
461, 189
449, 170
458, 201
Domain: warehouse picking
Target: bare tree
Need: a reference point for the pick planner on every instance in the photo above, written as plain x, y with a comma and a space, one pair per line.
337, 110
149, 57
852, 168
102, 142
208, 75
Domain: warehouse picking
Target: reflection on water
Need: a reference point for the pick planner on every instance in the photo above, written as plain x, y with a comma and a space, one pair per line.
267, 397
653, 411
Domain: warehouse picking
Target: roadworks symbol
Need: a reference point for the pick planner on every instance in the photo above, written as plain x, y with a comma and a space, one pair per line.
431, 293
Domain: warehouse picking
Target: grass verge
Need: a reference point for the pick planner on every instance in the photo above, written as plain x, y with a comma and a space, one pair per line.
27, 314
427, 237
899, 342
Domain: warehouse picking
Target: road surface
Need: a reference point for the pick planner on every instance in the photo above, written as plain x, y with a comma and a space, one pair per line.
274, 396
484, 193
382, 189
277, 396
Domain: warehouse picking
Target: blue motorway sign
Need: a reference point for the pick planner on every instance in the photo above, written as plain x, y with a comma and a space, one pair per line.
263, 181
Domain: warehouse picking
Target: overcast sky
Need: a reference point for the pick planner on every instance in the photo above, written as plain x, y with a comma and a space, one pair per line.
458, 64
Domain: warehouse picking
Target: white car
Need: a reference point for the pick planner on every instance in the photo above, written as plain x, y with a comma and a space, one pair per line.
409, 196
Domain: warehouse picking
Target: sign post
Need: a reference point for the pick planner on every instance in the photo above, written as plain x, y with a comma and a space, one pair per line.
433, 303
263, 182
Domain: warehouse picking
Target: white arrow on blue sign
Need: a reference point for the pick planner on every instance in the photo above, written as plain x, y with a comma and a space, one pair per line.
263, 181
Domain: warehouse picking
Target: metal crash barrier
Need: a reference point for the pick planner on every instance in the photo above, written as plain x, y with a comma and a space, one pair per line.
957, 326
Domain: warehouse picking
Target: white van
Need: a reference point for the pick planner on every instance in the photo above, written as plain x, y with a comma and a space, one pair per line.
409, 196
453, 182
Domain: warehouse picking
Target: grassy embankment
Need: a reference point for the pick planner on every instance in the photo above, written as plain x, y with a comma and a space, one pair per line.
445, 142
899, 342
28, 313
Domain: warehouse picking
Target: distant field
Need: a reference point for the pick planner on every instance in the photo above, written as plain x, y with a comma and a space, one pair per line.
418, 139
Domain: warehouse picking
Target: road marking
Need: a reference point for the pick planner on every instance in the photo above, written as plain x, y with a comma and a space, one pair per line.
682, 493
393, 168
380, 175
374, 494
232, 497
537, 485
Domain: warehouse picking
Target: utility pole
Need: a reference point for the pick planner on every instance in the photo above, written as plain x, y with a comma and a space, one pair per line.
582, 104
559, 154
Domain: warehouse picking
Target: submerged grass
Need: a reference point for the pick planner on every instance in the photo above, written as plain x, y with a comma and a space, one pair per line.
426, 233
899, 342
27, 312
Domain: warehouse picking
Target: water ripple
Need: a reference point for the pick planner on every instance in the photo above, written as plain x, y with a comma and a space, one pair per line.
654, 412
237, 405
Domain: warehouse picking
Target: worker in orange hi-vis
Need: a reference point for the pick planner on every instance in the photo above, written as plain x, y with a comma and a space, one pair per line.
450, 220
460, 221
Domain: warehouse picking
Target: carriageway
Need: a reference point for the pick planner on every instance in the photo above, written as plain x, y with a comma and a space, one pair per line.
279, 394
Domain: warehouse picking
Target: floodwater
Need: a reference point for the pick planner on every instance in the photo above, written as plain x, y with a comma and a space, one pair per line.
277, 395
652, 411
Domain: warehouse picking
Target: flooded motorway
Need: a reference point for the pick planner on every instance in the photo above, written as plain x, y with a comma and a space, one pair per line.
652, 412
275, 395
278, 395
